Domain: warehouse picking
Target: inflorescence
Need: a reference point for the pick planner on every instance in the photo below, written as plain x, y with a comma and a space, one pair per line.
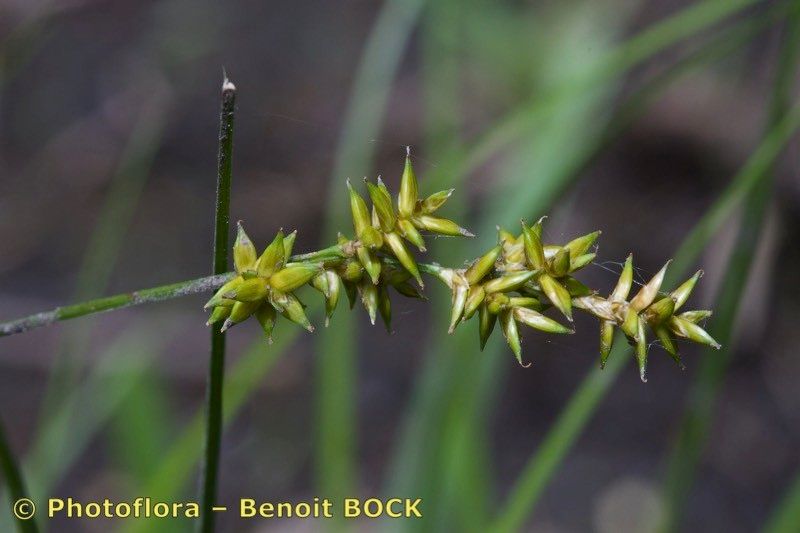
516, 281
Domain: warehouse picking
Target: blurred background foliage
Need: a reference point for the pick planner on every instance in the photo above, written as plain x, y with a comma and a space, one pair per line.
668, 125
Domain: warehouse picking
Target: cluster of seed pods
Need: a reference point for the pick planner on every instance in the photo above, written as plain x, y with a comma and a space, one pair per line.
516, 281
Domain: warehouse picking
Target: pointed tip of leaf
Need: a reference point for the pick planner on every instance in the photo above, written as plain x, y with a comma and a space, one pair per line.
643, 375
226, 325
466, 232
525, 365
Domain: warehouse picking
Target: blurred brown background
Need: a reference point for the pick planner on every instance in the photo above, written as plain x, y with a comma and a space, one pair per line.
108, 123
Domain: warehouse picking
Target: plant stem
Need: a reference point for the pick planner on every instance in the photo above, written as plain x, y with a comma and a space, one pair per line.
109, 303
216, 369
129, 299
13, 476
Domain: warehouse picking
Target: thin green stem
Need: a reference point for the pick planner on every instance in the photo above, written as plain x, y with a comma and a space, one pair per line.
694, 427
216, 369
109, 303
142, 296
13, 476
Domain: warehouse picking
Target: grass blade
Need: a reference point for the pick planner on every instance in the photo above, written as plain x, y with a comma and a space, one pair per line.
786, 515
216, 369
13, 477
694, 428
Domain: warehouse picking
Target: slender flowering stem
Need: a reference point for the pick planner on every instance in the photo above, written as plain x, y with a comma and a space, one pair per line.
216, 368
117, 301
143, 296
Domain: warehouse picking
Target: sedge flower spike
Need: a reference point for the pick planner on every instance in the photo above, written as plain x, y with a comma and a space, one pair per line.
515, 283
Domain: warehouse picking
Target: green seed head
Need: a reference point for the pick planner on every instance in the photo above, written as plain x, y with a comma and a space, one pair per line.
244, 253
407, 199
273, 257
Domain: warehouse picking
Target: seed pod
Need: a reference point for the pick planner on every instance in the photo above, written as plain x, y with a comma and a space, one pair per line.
273, 257
350, 290
369, 299
689, 330
407, 199
334, 290
442, 226
648, 292
525, 301
661, 310
497, 302
559, 264
320, 282
382, 202
505, 237
606, 340
630, 325
250, 290
482, 266
402, 254
695, 316
435, 201
240, 312
385, 307
358, 210
290, 307
288, 244
509, 282
534, 250
641, 351
663, 334
371, 237
599, 307
577, 263
623, 288
408, 290
266, 315
351, 271
579, 246
557, 295
474, 300
370, 263
575, 288
486, 321
219, 298
459, 301
536, 320
410, 233
294, 277
681, 294
244, 253
219, 314
509, 326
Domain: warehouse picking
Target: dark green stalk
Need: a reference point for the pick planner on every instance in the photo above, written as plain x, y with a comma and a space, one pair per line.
702, 397
13, 476
216, 369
